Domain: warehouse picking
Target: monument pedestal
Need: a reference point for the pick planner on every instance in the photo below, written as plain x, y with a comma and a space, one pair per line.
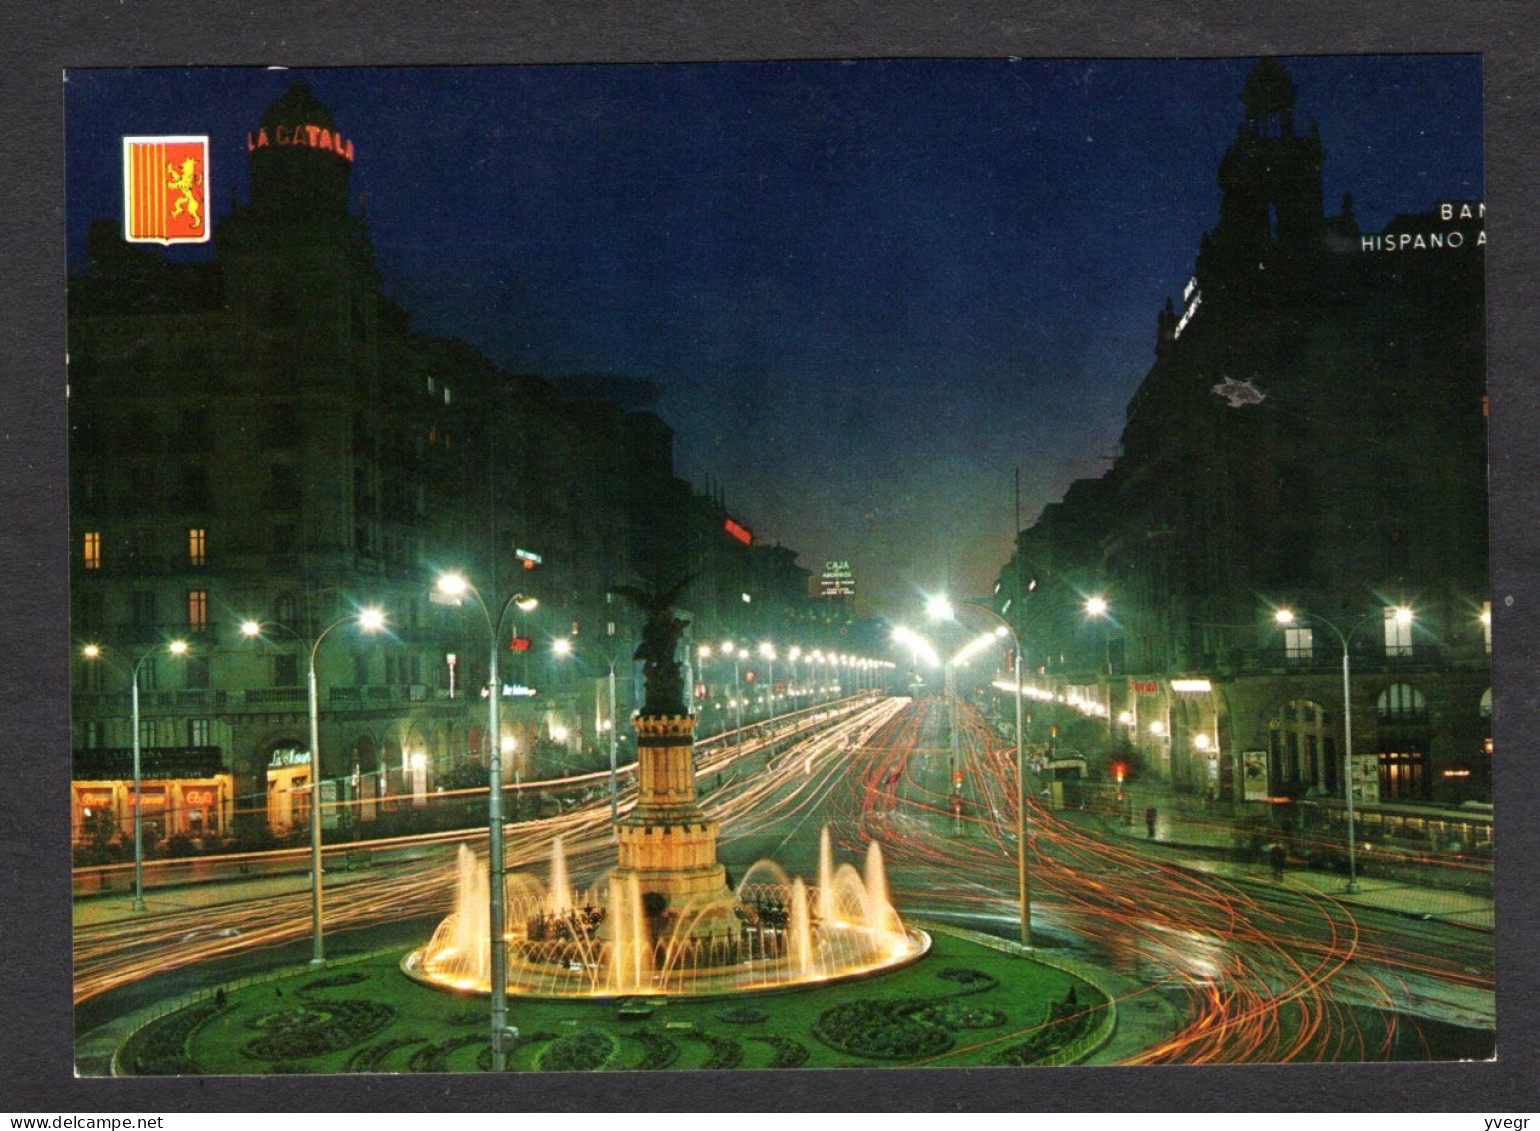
668, 846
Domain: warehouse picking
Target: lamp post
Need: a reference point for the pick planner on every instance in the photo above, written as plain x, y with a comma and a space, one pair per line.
92, 652
563, 647
453, 588
370, 620
1403, 616
731, 649
767, 653
940, 608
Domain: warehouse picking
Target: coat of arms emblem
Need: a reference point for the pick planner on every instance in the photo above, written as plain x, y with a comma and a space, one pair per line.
165, 189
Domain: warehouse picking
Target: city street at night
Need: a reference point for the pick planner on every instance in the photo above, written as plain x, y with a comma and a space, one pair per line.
911, 563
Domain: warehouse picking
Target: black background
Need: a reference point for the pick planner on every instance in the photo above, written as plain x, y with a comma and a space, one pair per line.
38, 43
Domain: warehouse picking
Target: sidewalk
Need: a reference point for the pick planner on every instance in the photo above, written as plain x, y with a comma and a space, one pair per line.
1440, 904
1183, 823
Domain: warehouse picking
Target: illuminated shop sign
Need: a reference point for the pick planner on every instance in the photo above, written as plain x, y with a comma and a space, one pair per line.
739, 531
312, 137
1433, 239
1191, 685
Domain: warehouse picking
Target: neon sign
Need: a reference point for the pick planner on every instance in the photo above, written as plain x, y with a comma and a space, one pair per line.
739, 531
312, 137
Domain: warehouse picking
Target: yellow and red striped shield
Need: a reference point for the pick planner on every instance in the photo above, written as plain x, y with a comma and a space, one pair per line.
166, 189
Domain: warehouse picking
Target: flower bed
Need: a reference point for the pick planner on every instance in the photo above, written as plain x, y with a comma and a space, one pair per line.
310, 1030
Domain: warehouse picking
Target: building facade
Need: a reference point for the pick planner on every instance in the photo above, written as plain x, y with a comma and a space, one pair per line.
263, 437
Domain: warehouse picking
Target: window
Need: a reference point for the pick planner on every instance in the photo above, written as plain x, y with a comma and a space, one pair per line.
448, 395
1398, 633
432, 386
1401, 702
283, 610
197, 732
1486, 623
95, 734
1299, 643
1486, 703
197, 610
143, 608
92, 553
146, 732
197, 546
197, 669
285, 670
360, 669
148, 675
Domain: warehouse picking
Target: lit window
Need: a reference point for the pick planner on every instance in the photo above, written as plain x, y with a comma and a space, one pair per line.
93, 549
1486, 624
197, 732
198, 610
448, 395
1299, 643
1398, 633
1486, 703
432, 386
197, 546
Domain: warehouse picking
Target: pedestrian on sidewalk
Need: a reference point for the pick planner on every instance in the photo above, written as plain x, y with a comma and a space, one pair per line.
1277, 856
1150, 815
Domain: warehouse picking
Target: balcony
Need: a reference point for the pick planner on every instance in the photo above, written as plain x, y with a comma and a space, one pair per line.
275, 697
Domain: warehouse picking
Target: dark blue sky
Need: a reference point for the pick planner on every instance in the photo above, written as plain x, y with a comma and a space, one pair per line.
870, 290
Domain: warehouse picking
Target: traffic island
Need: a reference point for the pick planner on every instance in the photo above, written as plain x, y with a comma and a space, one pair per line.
968, 1003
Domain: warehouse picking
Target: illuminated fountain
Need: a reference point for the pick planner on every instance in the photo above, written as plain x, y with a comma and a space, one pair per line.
665, 921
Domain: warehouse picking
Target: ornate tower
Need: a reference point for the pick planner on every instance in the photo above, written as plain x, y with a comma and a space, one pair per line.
1270, 177
668, 846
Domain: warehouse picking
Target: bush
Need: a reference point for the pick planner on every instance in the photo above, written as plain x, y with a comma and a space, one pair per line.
160, 1048
725, 1052
957, 1015
332, 981
968, 981
368, 1058
880, 1030
661, 1052
587, 1051
311, 1030
1066, 1022
435, 1057
788, 1053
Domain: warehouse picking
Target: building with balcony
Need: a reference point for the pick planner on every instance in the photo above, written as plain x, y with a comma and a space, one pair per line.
261, 435
1311, 436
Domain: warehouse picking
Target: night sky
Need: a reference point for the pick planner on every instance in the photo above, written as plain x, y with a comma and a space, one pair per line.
867, 290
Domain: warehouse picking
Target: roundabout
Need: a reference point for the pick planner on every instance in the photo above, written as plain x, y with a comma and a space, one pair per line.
968, 1002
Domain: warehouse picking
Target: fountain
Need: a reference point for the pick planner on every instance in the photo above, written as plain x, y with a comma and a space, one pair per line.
665, 921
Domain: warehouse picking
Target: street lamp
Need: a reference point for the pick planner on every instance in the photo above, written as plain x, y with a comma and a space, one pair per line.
371, 621
731, 649
940, 607
92, 652
453, 588
767, 653
1403, 616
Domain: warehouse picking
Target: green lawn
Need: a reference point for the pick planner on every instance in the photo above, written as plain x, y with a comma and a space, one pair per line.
963, 1004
